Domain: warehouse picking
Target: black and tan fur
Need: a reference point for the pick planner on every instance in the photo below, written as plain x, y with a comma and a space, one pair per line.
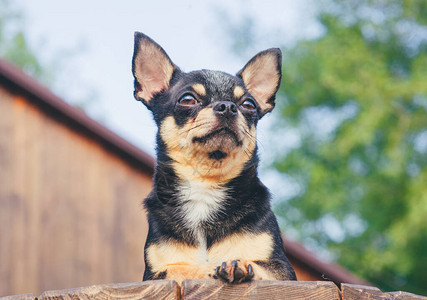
209, 214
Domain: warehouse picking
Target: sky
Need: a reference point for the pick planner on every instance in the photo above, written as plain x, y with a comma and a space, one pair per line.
96, 38
94, 43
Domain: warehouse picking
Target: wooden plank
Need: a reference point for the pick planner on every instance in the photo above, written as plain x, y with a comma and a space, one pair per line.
405, 296
159, 289
19, 297
259, 289
361, 292
9, 207
214, 289
353, 292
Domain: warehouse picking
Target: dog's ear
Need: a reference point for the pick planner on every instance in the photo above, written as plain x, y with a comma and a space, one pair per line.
262, 76
151, 67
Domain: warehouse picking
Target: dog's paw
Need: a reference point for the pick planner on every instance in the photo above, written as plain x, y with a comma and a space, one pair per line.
234, 272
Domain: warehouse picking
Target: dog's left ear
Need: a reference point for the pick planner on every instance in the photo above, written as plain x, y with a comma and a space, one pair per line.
151, 67
262, 76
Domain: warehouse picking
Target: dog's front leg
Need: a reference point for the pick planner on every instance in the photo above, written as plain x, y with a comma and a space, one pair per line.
182, 271
236, 271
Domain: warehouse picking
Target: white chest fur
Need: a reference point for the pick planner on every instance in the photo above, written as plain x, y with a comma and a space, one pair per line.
200, 203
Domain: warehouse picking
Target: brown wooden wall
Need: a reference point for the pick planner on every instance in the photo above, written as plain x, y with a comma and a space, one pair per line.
70, 210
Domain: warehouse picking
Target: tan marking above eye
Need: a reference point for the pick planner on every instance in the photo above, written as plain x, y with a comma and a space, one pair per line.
238, 92
199, 89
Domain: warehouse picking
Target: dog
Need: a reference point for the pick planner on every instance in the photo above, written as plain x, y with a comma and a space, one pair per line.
209, 214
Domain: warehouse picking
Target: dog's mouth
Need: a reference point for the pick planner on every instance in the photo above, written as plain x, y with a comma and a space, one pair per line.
219, 142
217, 155
221, 133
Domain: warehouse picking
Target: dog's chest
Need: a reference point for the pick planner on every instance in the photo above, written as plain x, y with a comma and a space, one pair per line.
199, 203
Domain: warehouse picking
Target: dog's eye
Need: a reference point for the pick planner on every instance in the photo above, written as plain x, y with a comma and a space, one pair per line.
249, 104
187, 100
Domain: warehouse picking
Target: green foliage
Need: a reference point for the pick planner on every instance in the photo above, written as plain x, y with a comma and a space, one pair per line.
358, 98
54, 70
14, 46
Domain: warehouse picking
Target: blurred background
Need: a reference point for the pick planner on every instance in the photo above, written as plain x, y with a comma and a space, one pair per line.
344, 152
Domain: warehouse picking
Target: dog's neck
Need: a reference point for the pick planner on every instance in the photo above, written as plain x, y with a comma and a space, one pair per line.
168, 177
195, 208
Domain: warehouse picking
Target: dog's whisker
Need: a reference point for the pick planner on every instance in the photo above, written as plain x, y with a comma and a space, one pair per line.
197, 126
248, 154
185, 132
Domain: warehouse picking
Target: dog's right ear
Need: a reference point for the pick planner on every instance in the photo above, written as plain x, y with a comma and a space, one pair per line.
151, 67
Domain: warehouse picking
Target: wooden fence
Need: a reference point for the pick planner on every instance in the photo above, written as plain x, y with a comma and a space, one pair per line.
213, 289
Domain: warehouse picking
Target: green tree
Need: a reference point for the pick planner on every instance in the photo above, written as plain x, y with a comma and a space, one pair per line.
357, 96
53, 71
14, 46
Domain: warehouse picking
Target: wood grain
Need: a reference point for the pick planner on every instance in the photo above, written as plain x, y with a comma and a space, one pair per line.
67, 202
20, 297
353, 292
161, 289
259, 289
405, 296
214, 289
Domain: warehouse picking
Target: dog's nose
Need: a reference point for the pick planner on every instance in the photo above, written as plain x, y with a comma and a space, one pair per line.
226, 108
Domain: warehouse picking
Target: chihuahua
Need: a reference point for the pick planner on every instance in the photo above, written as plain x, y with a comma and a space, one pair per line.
209, 214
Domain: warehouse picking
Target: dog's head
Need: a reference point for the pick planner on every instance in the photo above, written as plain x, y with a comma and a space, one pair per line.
207, 119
